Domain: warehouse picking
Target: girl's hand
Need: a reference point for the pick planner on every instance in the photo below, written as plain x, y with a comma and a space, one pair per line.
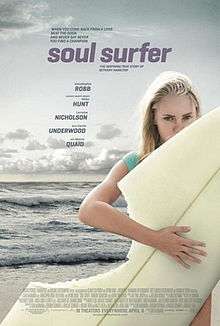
180, 248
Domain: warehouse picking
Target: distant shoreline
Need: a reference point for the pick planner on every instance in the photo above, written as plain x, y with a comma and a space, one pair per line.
66, 177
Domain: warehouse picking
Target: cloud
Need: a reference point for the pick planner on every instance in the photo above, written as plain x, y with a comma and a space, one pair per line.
58, 161
108, 131
18, 134
25, 17
34, 145
7, 152
104, 161
56, 143
63, 161
5, 155
89, 144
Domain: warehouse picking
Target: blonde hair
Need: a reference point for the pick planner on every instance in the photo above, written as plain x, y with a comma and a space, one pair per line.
167, 83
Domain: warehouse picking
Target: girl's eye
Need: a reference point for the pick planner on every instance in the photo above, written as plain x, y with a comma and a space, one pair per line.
168, 118
187, 117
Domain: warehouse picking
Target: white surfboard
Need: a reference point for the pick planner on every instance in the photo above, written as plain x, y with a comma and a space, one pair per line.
178, 184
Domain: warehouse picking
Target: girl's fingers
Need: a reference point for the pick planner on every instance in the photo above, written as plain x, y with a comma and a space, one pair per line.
189, 257
194, 251
191, 243
180, 261
181, 229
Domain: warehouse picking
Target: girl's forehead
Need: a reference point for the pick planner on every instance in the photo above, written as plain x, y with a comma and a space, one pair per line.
174, 104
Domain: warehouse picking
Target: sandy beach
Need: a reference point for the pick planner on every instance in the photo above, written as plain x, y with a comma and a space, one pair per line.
14, 281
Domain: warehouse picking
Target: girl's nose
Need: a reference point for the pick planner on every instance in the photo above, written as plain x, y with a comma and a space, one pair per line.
178, 125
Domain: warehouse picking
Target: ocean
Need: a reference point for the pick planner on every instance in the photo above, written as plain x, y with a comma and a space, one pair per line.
42, 239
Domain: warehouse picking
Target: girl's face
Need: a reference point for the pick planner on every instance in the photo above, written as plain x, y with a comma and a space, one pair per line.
172, 114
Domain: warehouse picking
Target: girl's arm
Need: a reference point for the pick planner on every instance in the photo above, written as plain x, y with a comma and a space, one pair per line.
96, 211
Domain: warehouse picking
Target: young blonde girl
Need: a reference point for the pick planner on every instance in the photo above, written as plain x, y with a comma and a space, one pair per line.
169, 105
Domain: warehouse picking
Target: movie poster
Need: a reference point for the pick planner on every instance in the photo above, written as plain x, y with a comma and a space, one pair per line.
72, 76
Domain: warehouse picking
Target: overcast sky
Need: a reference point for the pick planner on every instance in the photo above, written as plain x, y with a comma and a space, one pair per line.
33, 90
